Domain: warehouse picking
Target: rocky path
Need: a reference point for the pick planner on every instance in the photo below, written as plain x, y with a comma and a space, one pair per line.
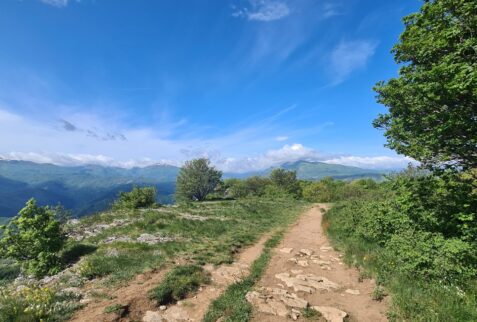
305, 271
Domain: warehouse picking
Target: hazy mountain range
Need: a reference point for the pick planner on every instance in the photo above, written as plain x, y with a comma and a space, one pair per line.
88, 189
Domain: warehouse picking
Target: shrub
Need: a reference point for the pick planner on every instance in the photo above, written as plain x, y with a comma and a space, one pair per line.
136, 198
34, 238
34, 303
196, 179
416, 233
178, 283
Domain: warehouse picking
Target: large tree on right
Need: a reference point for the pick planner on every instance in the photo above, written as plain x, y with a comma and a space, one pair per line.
432, 104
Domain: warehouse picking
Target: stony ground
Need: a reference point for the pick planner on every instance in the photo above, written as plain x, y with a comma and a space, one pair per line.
304, 272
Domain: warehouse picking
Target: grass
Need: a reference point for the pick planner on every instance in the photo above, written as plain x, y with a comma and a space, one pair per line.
178, 283
230, 226
117, 309
232, 305
310, 313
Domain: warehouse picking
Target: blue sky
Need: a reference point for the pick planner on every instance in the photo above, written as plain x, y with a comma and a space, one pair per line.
248, 83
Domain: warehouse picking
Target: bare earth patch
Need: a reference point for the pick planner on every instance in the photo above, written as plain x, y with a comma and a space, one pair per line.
305, 271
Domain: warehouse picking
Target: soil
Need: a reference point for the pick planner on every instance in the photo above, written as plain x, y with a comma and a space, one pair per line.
351, 296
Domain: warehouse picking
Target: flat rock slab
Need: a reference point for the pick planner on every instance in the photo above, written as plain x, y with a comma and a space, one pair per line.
152, 316
331, 314
353, 292
306, 252
306, 282
275, 301
286, 250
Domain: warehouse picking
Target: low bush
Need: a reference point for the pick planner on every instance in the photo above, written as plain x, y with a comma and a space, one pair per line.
34, 303
178, 283
136, 198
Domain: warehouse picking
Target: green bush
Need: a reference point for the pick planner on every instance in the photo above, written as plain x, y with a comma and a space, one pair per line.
416, 227
178, 283
136, 198
34, 238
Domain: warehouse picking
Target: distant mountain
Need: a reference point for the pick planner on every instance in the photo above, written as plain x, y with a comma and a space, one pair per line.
83, 189
319, 170
92, 188
308, 170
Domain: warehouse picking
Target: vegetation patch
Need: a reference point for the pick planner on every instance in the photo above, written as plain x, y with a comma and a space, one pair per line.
178, 283
408, 236
232, 305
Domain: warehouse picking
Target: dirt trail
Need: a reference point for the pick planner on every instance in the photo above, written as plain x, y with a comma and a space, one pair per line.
134, 296
305, 270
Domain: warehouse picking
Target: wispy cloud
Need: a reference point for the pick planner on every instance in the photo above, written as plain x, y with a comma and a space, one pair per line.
281, 138
375, 162
296, 152
349, 56
331, 9
56, 3
94, 132
263, 10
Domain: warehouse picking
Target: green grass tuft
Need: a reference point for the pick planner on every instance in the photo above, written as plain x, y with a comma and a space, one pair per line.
178, 283
232, 305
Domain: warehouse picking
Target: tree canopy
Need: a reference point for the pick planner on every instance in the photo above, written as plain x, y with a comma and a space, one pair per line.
432, 114
196, 179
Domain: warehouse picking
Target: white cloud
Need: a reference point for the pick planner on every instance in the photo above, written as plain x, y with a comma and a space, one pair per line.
83, 159
56, 3
296, 152
349, 56
377, 162
69, 143
264, 10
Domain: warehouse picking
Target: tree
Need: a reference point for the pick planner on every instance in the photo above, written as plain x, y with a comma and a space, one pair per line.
286, 180
432, 113
196, 179
34, 238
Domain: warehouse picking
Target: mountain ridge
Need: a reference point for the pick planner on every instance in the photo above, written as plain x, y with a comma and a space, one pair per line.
91, 188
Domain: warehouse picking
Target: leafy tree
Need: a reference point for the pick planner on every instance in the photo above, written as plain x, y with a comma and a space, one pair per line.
432, 113
136, 198
34, 238
196, 179
286, 180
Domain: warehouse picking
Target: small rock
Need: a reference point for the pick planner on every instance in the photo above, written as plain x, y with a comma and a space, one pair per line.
302, 263
152, 316
331, 314
326, 248
297, 271
162, 307
306, 252
352, 292
321, 262
286, 250
294, 316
